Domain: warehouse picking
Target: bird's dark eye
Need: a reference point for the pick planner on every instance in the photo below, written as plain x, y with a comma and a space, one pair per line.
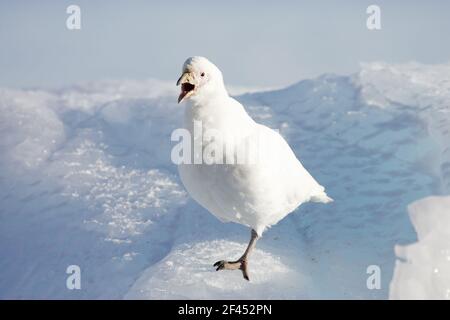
203, 74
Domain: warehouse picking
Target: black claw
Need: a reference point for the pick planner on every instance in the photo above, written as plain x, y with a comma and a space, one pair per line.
220, 265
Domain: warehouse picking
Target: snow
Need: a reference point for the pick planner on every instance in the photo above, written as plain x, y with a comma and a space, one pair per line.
423, 270
168, 280
86, 179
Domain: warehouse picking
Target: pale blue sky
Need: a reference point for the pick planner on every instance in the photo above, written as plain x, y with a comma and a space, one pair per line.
256, 43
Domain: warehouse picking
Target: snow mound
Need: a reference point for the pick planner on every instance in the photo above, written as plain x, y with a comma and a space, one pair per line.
82, 183
423, 271
421, 90
188, 273
409, 84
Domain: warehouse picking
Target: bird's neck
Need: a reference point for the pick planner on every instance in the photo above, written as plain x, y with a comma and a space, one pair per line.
218, 111
210, 94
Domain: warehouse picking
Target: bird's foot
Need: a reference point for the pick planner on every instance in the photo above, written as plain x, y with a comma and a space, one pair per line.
240, 264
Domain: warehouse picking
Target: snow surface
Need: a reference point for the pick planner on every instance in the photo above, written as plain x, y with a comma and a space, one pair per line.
86, 179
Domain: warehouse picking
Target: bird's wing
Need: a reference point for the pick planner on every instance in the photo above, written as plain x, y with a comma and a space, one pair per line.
260, 193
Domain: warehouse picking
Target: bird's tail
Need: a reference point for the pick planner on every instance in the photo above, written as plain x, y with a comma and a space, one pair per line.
321, 197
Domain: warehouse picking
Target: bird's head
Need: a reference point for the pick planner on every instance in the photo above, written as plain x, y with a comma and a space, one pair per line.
199, 77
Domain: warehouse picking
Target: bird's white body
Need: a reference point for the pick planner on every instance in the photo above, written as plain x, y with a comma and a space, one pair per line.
256, 191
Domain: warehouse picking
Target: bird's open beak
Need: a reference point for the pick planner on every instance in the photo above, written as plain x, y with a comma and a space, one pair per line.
187, 82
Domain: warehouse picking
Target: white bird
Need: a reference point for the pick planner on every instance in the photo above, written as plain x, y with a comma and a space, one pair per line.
224, 175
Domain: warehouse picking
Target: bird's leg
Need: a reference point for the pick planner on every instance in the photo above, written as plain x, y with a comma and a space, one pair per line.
242, 262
